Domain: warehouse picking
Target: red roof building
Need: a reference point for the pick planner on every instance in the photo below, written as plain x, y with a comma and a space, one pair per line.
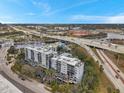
79, 33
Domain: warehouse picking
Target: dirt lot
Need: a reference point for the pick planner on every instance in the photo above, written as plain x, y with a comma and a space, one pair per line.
121, 42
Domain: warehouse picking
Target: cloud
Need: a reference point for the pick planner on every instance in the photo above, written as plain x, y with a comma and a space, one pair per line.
5, 17
86, 17
45, 7
115, 19
101, 19
81, 18
83, 2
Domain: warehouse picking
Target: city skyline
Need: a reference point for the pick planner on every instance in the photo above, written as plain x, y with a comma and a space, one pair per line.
48, 11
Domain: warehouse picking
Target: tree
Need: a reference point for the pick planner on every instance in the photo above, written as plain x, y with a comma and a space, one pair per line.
116, 57
59, 49
17, 67
50, 73
117, 91
101, 68
8, 58
54, 86
109, 90
28, 71
12, 50
20, 56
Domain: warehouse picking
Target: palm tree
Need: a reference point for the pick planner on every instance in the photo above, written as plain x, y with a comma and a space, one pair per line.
50, 73
55, 87
101, 68
117, 58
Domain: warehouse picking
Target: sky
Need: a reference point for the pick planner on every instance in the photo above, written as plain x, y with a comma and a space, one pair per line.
62, 11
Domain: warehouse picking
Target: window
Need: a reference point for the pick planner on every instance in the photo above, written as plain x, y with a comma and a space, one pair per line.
70, 70
26, 54
32, 55
58, 66
39, 57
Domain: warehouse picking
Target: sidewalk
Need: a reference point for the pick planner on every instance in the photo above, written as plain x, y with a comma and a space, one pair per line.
33, 86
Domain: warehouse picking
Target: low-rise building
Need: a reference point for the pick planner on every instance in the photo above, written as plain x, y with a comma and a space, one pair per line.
6, 43
79, 33
68, 68
115, 36
61, 28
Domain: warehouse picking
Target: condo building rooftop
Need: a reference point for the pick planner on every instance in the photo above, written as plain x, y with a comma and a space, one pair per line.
68, 59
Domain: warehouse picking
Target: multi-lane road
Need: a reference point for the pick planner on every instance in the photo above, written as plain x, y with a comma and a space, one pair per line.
110, 69
30, 86
90, 42
95, 43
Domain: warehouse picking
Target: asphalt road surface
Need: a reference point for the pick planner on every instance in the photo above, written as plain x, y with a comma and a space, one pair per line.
19, 86
112, 71
31, 85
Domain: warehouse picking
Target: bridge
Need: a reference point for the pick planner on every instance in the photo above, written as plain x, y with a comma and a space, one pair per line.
98, 44
80, 41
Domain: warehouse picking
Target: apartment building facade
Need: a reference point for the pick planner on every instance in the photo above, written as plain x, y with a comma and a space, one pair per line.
40, 56
68, 68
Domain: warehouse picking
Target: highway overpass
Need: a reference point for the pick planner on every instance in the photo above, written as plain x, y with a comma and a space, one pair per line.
90, 42
98, 44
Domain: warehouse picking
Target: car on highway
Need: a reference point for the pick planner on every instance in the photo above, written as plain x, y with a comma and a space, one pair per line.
118, 71
116, 76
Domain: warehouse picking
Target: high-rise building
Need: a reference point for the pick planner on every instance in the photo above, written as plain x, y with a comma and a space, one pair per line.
68, 68
40, 56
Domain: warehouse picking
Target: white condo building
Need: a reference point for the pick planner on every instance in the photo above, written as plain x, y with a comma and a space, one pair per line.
68, 67
40, 56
